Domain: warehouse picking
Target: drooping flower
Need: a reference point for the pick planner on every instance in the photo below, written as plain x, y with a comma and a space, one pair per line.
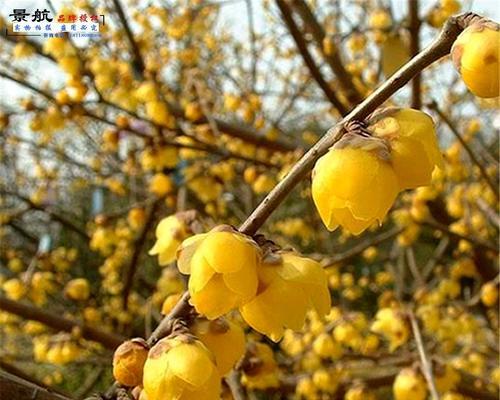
414, 149
391, 324
288, 288
354, 184
264, 372
475, 55
160, 184
224, 338
77, 289
181, 368
222, 265
409, 384
170, 233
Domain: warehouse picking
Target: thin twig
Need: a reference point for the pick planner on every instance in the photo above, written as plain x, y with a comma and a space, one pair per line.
138, 62
55, 321
489, 212
426, 365
138, 245
413, 5
360, 247
233, 381
306, 55
333, 60
494, 187
436, 256
412, 264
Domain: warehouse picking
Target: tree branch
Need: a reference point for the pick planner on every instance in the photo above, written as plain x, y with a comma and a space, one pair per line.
55, 321
13, 387
138, 62
494, 187
304, 52
51, 213
426, 365
333, 60
138, 245
414, 28
362, 246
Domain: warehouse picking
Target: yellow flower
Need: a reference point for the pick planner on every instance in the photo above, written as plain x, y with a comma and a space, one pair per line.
77, 289
128, 362
409, 384
489, 294
181, 368
354, 184
288, 288
102, 240
160, 184
22, 50
325, 347
411, 135
224, 339
170, 302
223, 268
359, 393
391, 324
14, 289
380, 19
193, 111
446, 378
170, 233
475, 55
395, 53
157, 112
136, 218
159, 158
265, 373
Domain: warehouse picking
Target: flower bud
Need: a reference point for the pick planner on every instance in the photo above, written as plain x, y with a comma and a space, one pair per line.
128, 362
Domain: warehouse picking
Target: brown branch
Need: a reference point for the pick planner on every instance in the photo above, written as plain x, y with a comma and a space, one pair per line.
13, 370
181, 309
13, 387
426, 365
362, 246
438, 48
436, 256
233, 381
306, 56
23, 232
489, 212
138, 245
494, 187
138, 62
56, 217
333, 60
239, 131
445, 229
412, 265
414, 28
55, 321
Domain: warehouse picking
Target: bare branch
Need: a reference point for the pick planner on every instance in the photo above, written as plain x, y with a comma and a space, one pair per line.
304, 52
55, 321
494, 187
426, 365
413, 5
